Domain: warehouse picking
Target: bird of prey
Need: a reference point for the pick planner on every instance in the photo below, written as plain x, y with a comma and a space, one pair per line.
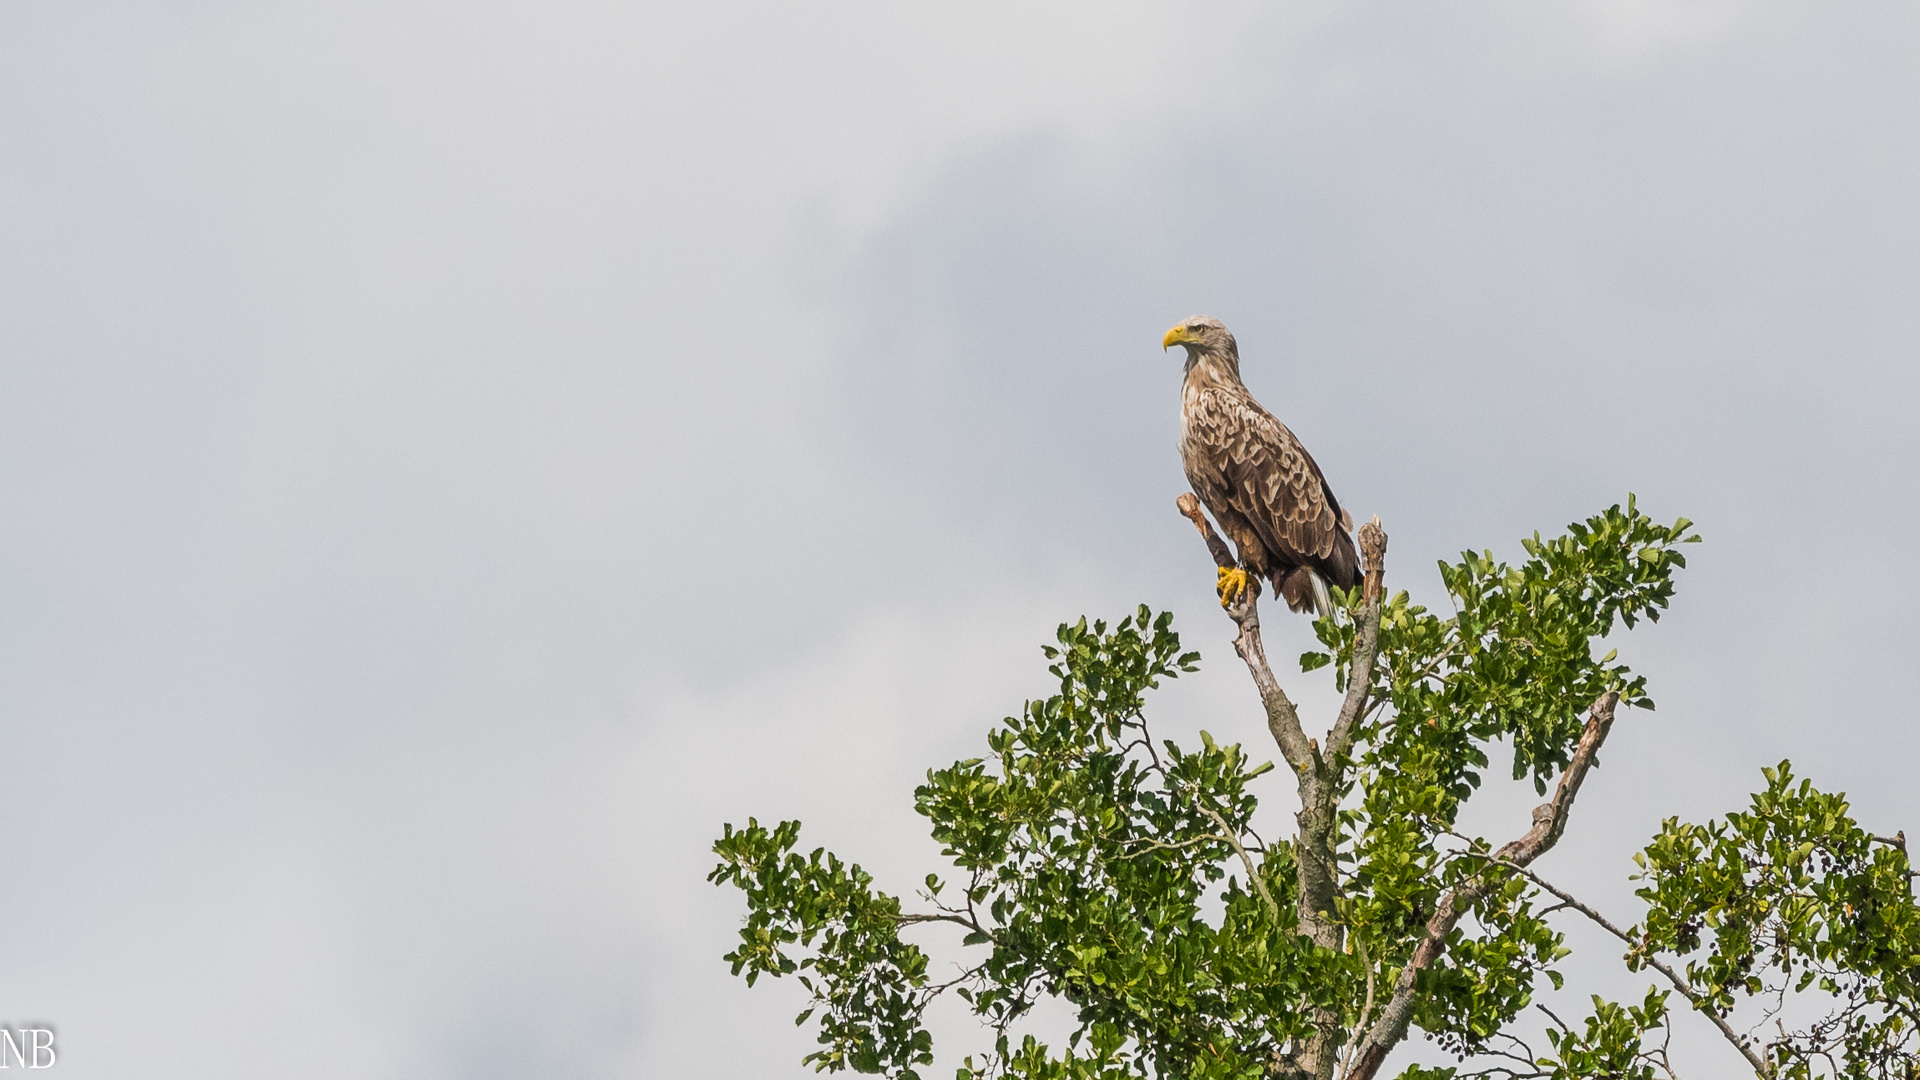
1260, 483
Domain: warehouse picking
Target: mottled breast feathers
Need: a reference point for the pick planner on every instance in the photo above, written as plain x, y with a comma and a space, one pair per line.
1238, 456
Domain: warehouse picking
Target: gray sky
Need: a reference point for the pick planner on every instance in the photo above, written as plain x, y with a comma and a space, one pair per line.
456, 456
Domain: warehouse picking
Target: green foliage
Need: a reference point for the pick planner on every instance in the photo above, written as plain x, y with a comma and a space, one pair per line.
1489, 977
1089, 852
1789, 897
1095, 864
1516, 663
1609, 1048
871, 984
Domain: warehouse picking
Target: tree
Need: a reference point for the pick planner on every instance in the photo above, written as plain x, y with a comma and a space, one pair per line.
1096, 864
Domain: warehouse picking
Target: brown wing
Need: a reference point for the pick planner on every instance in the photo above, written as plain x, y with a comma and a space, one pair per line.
1249, 461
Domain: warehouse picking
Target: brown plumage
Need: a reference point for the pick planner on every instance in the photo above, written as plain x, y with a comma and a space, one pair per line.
1261, 485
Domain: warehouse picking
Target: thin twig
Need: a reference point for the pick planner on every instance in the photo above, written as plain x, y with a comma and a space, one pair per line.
1666, 1063
909, 920
1685, 988
1247, 860
1145, 846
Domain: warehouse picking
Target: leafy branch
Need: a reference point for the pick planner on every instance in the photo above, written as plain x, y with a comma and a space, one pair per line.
1098, 865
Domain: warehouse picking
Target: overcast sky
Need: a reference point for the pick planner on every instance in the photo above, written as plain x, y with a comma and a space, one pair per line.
454, 456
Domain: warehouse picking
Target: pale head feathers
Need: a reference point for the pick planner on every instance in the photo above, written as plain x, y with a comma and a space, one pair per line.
1205, 337
1202, 334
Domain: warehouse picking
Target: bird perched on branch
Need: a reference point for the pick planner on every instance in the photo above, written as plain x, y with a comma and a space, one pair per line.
1260, 483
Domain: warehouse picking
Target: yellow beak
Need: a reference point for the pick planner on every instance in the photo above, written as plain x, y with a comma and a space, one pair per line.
1175, 336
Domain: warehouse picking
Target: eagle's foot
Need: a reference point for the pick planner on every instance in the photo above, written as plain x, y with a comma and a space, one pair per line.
1233, 584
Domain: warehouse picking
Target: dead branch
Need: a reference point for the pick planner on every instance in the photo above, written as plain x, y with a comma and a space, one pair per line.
1760, 1066
1366, 641
1283, 720
1319, 778
1549, 822
1222, 555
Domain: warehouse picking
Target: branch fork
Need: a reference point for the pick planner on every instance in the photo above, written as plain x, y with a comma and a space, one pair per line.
1321, 774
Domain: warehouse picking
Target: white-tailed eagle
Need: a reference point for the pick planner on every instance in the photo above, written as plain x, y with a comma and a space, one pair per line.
1261, 485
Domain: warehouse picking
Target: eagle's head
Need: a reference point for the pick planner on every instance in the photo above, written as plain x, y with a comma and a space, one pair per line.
1202, 334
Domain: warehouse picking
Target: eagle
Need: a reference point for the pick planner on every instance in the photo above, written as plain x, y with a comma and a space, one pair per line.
1261, 485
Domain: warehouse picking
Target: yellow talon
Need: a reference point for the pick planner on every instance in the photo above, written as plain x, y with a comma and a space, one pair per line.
1233, 582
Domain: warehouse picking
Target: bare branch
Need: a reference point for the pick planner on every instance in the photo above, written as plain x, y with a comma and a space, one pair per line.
1283, 720
1145, 847
1318, 778
1660, 1055
1549, 822
1519, 1052
1253, 875
1680, 984
1222, 555
957, 920
1366, 1010
1366, 641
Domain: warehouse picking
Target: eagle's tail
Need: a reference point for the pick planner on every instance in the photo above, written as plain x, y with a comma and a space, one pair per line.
1305, 590
1322, 598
